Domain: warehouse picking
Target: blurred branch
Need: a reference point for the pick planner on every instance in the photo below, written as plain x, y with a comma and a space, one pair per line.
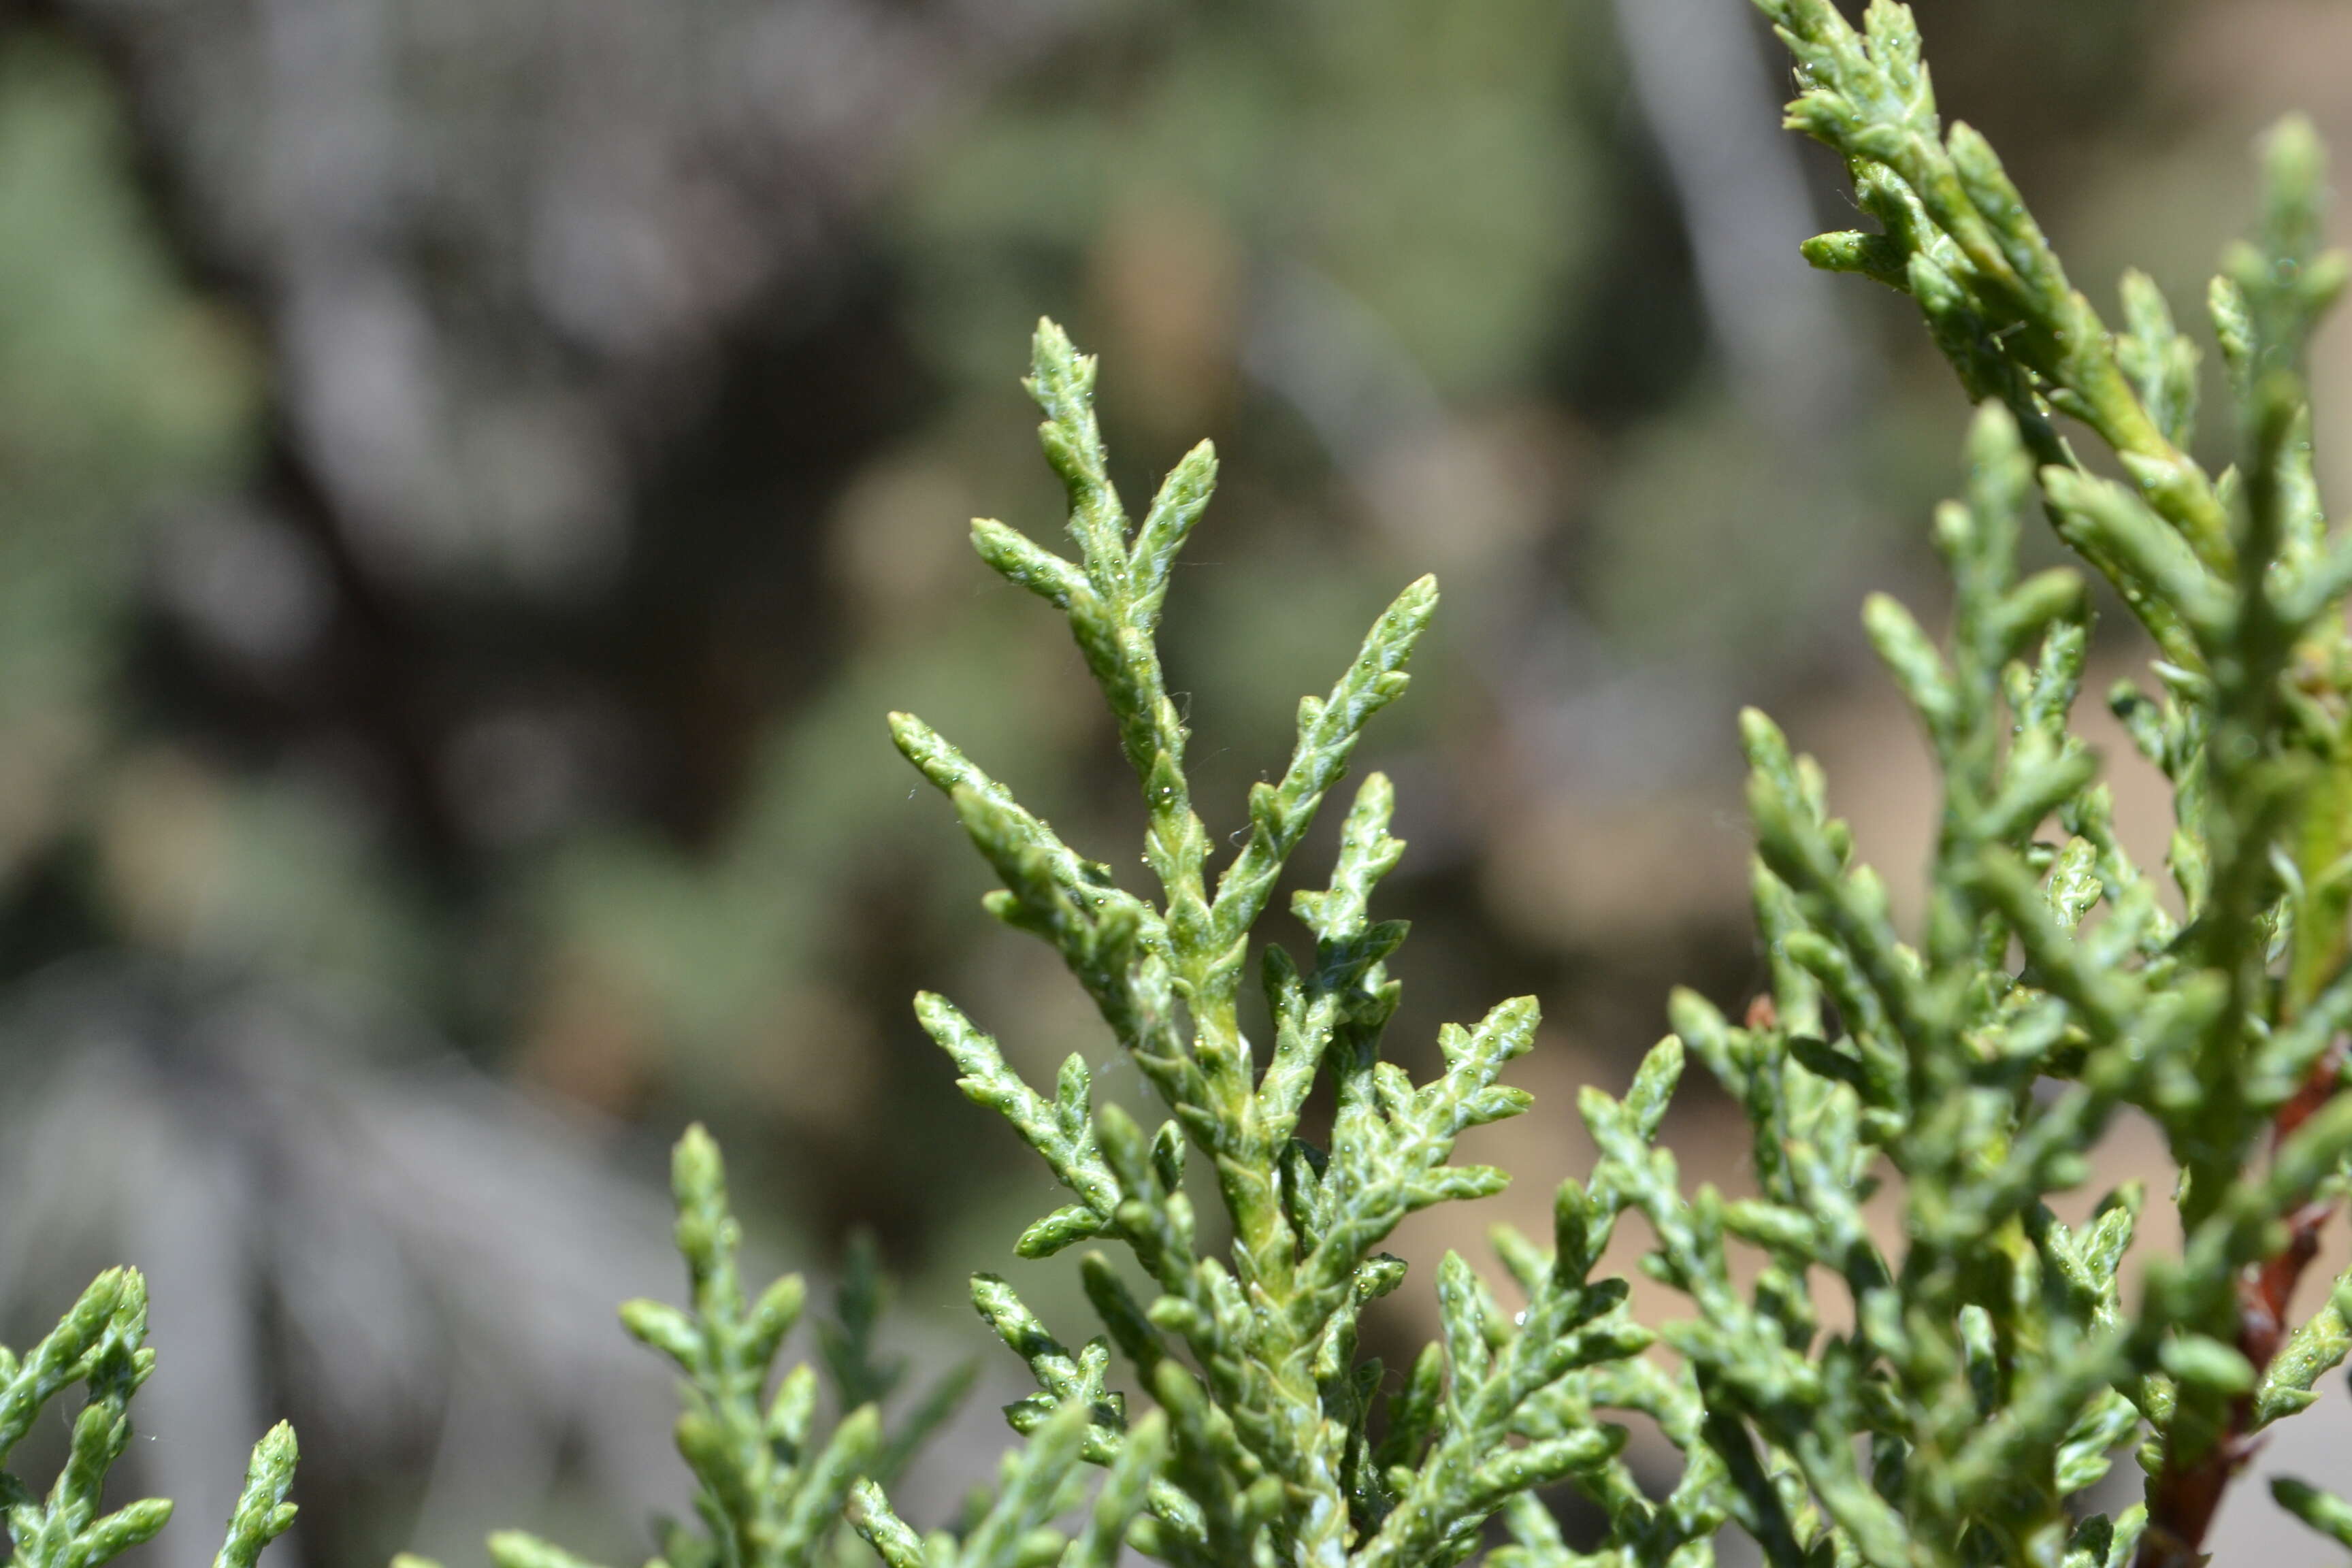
1700, 77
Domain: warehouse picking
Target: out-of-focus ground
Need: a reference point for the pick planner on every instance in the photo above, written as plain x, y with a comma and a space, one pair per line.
474, 473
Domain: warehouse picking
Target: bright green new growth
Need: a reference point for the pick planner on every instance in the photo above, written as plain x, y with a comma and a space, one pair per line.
100, 1344
770, 1491
262, 1513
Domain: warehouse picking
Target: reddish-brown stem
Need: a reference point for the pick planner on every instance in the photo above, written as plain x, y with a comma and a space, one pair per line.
2182, 1501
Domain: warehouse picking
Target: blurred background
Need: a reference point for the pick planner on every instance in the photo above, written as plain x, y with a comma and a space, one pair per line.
474, 474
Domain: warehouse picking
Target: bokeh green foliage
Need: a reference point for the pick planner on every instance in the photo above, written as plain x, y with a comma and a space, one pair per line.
120, 389
1435, 169
131, 401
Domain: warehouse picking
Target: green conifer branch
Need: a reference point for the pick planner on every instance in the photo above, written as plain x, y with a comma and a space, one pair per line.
1993, 1361
1960, 238
770, 1490
100, 1343
1036, 1487
262, 1514
65, 1530
1253, 1357
1986, 1361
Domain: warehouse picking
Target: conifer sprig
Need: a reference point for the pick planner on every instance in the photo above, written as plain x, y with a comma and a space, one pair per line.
262, 1513
1252, 1356
1971, 1372
1041, 1481
100, 1343
1994, 1360
769, 1488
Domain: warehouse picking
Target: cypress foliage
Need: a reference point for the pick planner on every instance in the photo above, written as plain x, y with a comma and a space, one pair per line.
1994, 1364
101, 1345
1991, 1361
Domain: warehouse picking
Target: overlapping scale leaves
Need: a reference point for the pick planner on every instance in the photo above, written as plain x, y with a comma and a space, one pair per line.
101, 1345
770, 1484
1942, 1389
1988, 1360
1273, 1439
